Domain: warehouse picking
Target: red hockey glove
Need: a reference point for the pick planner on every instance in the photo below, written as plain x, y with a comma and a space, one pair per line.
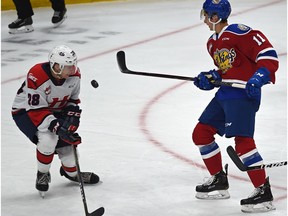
65, 130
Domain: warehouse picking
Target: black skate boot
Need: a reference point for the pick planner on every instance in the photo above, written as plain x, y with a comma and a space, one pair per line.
21, 26
216, 187
260, 200
42, 182
87, 177
59, 17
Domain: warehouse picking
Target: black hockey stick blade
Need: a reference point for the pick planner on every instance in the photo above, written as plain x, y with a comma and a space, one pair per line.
237, 161
234, 157
122, 62
98, 212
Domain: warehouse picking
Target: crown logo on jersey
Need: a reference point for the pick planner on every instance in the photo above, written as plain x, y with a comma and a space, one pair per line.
224, 59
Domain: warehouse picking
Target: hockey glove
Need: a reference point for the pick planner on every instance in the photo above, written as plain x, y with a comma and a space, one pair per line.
72, 114
254, 84
205, 80
65, 130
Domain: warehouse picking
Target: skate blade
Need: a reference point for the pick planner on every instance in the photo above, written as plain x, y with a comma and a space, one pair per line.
42, 194
258, 208
213, 195
55, 25
23, 29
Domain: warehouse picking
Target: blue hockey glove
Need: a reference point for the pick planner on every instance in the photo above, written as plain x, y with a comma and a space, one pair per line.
205, 80
254, 84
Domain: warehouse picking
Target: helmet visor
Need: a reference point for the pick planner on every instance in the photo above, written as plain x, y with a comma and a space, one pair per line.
203, 13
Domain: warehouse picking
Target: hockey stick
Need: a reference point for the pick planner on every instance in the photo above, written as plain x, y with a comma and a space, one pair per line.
97, 212
123, 68
233, 155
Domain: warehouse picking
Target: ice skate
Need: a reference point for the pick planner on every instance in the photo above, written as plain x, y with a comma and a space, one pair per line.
216, 187
259, 201
42, 183
21, 26
87, 177
59, 17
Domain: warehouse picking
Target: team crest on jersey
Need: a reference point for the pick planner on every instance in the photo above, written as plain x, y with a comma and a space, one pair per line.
48, 90
243, 27
224, 58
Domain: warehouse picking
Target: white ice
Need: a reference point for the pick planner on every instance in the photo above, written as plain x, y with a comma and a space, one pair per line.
137, 130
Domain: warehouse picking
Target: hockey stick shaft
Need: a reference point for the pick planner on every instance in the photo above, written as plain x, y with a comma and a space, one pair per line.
235, 158
121, 60
97, 212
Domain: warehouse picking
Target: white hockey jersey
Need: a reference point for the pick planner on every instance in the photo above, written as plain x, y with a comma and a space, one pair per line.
41, 95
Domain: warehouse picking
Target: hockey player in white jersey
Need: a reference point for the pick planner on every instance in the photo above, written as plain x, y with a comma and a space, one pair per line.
46, 110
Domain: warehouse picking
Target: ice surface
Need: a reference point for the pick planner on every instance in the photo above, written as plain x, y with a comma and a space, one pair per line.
137, 130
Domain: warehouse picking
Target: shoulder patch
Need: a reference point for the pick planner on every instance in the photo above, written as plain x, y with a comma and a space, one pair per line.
238, 29
36, 76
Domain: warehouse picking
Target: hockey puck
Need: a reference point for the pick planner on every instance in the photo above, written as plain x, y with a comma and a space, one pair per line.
94, 83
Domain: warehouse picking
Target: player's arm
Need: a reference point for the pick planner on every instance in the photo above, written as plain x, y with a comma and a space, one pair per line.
45, 120
74, 98
259, 49
38, 110
72, 111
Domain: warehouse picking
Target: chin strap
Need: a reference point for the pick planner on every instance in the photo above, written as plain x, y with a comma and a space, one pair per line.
214, 24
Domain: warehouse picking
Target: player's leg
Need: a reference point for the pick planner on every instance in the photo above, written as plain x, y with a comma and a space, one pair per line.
24, 21
25, 125
68, 168
44, 143
211, 122
60, 12
261, 198
45, 154
242, 128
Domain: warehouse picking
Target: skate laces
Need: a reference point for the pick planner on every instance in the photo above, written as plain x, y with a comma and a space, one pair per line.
17, 21
43, 178
56, 14
86, 176
208, 180
256, 191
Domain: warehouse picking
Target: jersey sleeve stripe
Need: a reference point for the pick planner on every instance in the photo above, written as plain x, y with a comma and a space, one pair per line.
268, 53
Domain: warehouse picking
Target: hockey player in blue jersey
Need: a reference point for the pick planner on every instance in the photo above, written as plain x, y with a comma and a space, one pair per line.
241, 55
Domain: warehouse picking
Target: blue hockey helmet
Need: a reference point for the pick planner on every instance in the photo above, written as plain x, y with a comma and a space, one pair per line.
221, 8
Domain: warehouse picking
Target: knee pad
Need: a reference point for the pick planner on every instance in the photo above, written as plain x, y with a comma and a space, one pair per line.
203, 134
47, 142
66, 155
